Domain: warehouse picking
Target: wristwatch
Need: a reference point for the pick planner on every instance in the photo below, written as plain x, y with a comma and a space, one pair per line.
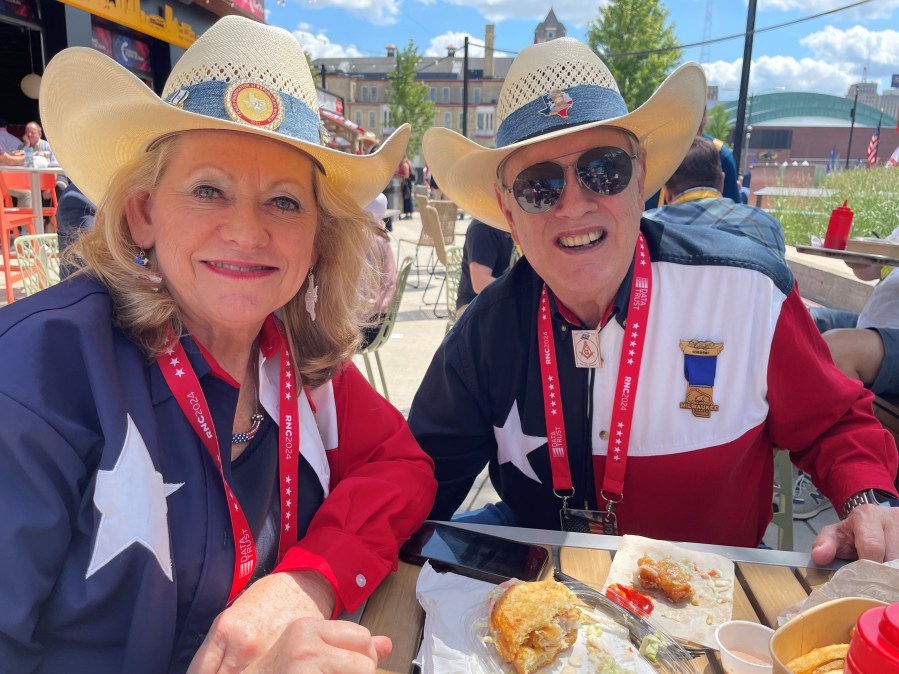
869, 496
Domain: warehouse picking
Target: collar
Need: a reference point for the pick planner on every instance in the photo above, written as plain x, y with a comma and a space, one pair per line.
617, 308
696, 193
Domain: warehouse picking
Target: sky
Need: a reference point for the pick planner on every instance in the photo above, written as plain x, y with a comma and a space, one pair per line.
822, 55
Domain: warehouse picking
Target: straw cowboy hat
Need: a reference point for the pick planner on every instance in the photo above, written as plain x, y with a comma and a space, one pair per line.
240, 75
553, 89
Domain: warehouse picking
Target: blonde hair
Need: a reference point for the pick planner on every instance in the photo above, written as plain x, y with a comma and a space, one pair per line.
149, 315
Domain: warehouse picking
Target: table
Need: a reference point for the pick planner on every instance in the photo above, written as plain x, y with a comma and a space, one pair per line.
848, 255
36, 201
761, 592
790, 192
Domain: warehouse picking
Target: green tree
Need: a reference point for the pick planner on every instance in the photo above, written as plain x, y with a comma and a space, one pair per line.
634, 25
316, 78
409, 100
716, 124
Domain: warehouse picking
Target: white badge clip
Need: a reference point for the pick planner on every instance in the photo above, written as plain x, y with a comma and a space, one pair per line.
586, 348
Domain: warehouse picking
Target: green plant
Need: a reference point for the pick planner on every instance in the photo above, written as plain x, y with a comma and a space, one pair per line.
872, 193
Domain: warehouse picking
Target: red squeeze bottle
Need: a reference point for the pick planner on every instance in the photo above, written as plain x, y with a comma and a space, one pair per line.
838, 228
874, 648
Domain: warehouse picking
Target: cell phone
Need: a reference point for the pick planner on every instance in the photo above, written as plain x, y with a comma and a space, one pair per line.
474, 554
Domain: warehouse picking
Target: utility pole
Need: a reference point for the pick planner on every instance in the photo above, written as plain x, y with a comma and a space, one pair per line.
465, 90
744, 82
321, 72
852, 125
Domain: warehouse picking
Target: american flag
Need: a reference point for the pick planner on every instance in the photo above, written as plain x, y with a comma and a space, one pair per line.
874, 144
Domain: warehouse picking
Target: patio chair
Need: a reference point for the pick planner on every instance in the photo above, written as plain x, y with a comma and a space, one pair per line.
10, 220
22, 181
38, 258
448, 214
386, 328
453, 274
431, 227
425, 240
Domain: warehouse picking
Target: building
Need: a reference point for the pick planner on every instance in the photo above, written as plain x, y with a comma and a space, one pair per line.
549, 29
867, 94
144, 36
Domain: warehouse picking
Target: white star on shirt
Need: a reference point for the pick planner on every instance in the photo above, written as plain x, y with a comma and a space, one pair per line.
131, 500
512, 445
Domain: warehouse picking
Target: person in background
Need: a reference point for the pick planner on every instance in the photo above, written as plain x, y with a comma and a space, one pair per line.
74, 215
377, 295
622, 361
404, 171
33, 139
8, 142
693, 197
486, 255
195, 475
436, 193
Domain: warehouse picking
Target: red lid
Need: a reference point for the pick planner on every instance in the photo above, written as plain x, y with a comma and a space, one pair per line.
844, 208
874, 648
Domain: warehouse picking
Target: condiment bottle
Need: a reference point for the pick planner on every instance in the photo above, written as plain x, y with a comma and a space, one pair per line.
838, 228
874, 648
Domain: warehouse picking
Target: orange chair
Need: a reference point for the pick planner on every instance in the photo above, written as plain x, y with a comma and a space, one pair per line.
22, 181
10, 221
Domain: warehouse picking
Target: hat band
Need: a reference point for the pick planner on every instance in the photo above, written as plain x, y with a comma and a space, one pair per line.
211, 99
559, 109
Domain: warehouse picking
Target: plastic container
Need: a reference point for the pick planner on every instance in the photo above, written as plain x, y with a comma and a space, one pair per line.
29, 156
744, 647
839, 227
874, 648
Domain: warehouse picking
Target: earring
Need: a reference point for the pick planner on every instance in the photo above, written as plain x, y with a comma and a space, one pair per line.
142, 260
311, 296
141, 257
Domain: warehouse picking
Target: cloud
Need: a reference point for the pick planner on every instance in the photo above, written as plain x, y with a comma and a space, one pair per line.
775, 72
438, 45
320, 46
874, 9
876, 48
569, 12
378, 12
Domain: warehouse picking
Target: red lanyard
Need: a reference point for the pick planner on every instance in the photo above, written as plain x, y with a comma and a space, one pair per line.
610, 488
185, 386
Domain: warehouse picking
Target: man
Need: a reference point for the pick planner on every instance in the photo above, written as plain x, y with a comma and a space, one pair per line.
8, 142
16, 157
698, 334
693, 197
487, 253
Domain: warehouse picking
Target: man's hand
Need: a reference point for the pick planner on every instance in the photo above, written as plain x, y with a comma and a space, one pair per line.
246, 631
870, 532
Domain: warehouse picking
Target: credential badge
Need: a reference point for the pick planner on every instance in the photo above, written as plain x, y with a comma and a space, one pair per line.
700, 362
557, 103
254, 104
586, 348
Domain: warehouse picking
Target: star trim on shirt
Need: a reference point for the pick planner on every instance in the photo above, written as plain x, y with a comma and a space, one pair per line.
131, 499
513, 446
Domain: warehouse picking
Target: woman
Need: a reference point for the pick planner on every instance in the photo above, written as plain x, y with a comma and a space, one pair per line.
183, 419
407, 180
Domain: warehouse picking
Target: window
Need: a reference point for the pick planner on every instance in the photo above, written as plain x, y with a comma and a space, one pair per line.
448, 120
364, 94
549, 35
433, 94
461, 120
485, 121
372, 119
358, 118
779, 139
374, 94
444, 97
476, 95
385, 117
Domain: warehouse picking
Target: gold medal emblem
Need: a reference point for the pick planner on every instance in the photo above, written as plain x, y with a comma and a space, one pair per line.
254, 104
700, 361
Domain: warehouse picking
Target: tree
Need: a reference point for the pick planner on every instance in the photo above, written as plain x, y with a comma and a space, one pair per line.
316, 77
634, 25
716, 124
409, 100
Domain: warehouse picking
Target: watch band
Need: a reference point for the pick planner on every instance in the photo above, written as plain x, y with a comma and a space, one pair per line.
869, 497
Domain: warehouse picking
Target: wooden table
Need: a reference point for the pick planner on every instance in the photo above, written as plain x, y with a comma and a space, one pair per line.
36, 201
761, 593
790, 192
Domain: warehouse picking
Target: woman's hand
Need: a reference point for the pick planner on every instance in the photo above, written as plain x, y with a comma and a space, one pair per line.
250, 631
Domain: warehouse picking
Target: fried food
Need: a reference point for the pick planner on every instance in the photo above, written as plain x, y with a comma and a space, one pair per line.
666, 576
827, 659
533, 622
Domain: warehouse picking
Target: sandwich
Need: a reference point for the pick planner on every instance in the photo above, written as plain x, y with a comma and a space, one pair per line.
532, 623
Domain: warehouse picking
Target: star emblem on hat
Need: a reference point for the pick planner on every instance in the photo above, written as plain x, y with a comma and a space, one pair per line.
556, 102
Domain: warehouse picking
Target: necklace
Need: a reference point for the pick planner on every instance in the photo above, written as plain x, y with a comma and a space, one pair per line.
255, 423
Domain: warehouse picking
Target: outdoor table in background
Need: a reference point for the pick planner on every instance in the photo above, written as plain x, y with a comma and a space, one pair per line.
36, 201
790, 192
763, 587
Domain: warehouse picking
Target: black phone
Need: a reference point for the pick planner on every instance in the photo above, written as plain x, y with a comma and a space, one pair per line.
474, 554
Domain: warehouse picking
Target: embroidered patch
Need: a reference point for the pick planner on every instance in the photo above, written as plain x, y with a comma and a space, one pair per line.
557, 102
254, 104
700, 363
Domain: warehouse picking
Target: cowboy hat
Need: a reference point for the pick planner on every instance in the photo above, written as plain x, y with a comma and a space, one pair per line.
553, 89
240, 75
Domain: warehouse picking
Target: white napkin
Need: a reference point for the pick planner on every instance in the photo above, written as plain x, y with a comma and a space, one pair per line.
447, 598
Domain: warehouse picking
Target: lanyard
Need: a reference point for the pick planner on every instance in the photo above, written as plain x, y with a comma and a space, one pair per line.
185, 386
610, 488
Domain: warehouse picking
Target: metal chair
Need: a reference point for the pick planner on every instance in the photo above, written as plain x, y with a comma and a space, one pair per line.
386, 328
430, 224
38, 258
448, 214
10, 220
783, 494
453, 274
425, 240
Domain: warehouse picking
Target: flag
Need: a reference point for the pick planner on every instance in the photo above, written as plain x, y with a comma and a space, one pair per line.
894, 158
833, 153
874, 144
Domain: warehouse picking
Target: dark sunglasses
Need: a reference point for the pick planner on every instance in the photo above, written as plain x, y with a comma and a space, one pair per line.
602, 170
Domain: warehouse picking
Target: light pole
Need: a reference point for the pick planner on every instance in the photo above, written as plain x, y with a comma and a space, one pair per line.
743, 159
851, 126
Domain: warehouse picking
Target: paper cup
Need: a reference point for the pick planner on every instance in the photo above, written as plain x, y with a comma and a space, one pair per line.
744, 647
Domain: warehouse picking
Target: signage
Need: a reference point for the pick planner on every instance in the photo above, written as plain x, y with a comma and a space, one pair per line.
128, 13
24, 9
328, 101
895, 83
127, 51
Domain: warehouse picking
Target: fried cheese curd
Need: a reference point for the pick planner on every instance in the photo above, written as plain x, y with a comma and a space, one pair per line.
824, 660
665, 575
533, 622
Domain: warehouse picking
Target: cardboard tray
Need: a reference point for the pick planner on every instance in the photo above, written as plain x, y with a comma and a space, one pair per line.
874, 246
823, 625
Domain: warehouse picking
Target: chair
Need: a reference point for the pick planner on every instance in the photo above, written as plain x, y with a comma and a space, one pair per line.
783, 494
430, 225
448, 214
10, 220
38, 258
386, 328
425, 240
453, 274
22, 181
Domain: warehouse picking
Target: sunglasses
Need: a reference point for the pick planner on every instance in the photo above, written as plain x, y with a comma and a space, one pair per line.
602, 170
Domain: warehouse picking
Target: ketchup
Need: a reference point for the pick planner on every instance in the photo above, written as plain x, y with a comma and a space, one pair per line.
629, 598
